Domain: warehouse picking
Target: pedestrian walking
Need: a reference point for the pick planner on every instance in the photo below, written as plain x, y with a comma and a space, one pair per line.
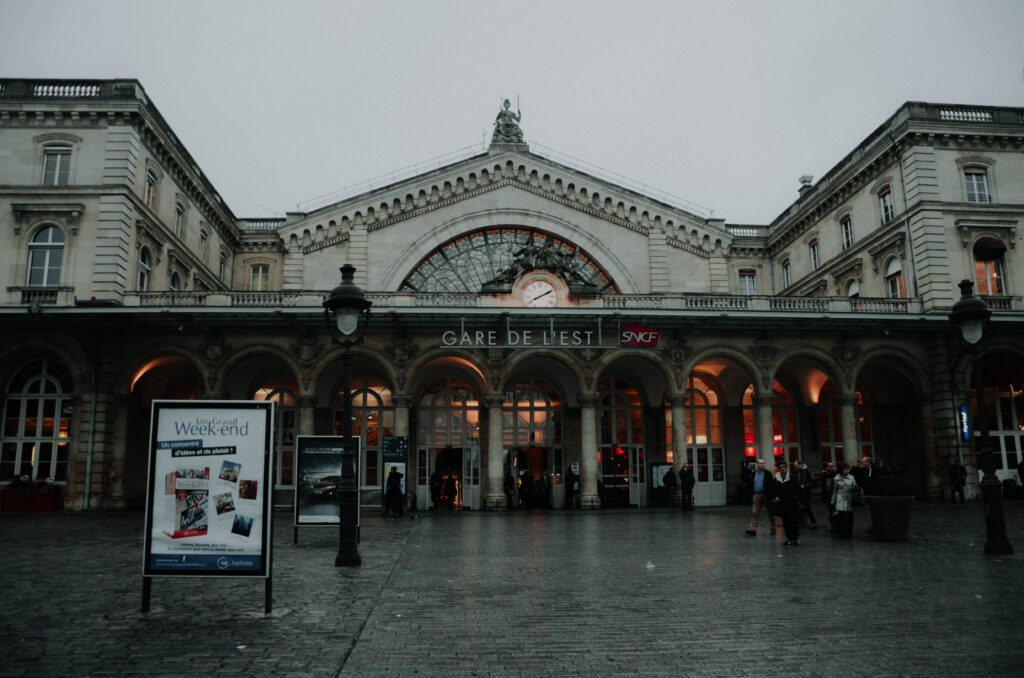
806, 479
686, 483
842, 497
764, 490
788, 503
957, 481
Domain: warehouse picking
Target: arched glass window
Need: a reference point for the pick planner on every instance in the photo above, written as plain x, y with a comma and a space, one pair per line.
282, 391
373, 418
894, 279
145, 267
204, 244
45, 256
853, 289
37, 421
988, 266
222, 267
175, 282
815, 257
149, 191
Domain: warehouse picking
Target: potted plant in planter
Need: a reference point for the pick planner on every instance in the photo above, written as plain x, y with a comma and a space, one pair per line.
891, 502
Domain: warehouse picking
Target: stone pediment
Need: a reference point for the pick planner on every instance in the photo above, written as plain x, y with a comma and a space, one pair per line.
483, 174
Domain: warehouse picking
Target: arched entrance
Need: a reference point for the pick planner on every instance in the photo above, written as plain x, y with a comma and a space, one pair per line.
532, 423
620, 439
448, 446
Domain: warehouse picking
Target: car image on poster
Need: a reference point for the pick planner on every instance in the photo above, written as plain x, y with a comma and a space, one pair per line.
208, 498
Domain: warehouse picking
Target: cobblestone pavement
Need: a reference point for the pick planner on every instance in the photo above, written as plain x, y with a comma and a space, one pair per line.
633, 592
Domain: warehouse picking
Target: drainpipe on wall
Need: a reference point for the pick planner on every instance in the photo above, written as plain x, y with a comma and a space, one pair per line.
906, 219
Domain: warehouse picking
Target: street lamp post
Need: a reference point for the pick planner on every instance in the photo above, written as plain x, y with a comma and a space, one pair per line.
348, 306
970, 316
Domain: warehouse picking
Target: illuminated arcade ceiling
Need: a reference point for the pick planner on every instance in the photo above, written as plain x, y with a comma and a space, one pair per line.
493, 257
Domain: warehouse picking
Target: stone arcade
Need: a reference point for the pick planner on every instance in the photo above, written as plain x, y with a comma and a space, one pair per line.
527, 316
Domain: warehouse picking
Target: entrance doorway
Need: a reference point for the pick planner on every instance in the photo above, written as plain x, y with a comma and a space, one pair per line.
621, 438
448, 452
538, 480
453, 479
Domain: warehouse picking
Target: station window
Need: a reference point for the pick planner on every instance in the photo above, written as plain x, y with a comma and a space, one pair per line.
976, 183
149, 191
145, 266
45, 256
37, 421
787, 275
894, 279
847, 227
259, 278
815, 261
56, 162
179, 218
988, 266
748, 283
886, 205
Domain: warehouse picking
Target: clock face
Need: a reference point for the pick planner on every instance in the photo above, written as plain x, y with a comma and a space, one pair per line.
540, 294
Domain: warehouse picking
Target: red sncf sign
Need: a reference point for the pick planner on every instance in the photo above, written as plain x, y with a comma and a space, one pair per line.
635, 334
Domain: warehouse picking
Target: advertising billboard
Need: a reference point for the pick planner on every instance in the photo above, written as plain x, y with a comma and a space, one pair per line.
318, 461
208, 499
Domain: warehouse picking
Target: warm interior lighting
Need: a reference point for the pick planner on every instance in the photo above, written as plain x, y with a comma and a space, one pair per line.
750, 451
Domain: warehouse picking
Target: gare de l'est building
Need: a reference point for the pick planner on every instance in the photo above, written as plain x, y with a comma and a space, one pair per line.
529, 314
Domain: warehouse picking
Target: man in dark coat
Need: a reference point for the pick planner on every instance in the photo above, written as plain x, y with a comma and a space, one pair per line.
788, 500
686, 483
957, 480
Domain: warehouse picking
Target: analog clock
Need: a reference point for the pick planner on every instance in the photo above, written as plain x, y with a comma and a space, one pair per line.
540, 294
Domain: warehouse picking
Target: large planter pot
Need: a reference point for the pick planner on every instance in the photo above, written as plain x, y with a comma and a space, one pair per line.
890, 516
30, 499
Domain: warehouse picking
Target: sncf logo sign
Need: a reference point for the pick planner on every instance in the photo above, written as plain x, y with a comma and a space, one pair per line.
635, 334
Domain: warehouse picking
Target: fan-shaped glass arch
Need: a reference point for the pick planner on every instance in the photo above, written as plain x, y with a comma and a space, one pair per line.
497, 256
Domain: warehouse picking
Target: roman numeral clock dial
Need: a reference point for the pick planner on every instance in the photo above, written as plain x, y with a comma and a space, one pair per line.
540, 294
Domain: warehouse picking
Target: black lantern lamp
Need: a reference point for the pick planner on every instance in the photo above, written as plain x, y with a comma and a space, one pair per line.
971, 316
348, 306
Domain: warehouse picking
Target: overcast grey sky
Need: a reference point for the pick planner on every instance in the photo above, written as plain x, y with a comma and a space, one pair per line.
724, 103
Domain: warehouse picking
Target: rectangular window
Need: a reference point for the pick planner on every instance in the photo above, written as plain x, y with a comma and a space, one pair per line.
976, 181
259, 278
56, 161
179, 217
885, 202
787, 276
748, 283
815, 262
150, 189
847, 227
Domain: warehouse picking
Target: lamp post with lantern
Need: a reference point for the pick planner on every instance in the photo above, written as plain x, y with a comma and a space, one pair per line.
347, 314
970, 316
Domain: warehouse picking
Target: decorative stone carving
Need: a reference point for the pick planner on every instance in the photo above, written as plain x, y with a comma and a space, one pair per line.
306, 351
549, 257
846, 352
764, 354
506, 126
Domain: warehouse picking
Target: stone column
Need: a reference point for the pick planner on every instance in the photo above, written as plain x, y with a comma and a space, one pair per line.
678, 439
589, 468
848, 415
306, 405
402, 404
763, 430
932, 483
494, 499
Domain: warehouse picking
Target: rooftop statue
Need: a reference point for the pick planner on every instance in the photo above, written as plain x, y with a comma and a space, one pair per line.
506, 126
